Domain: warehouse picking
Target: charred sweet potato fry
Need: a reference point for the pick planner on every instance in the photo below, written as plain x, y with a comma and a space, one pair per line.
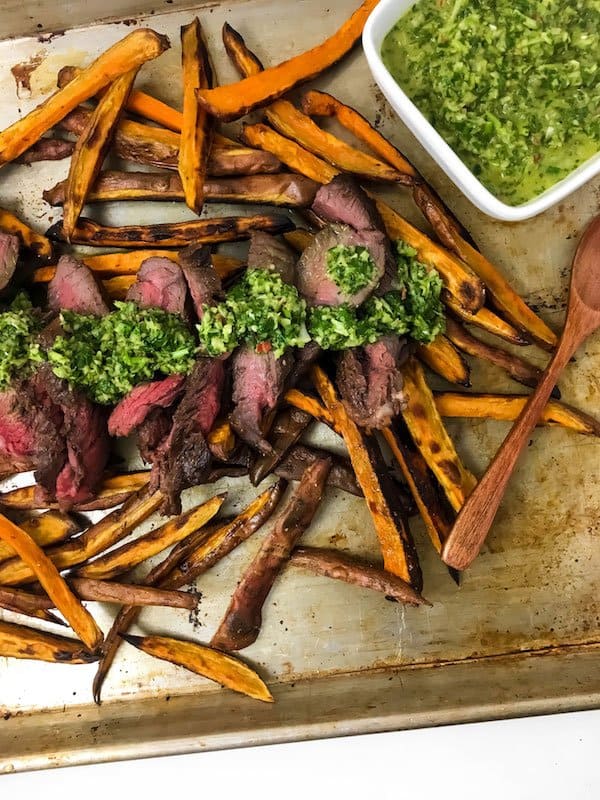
341, 567
492, 323
299, 239
341, 475
27, 604
116, 288
113, 490
54, 585
288, 152
396, 543
47, 150
499, 290
221, 440
197, 125
49, 528
240, 626
18, 641
92, 148
310, 405
429, 434
509, 406
172, 234
129, 555
99, 537
445, 360
233, 101
205, 661
127, 54
131, 594
518, 369
39, 246
288, 427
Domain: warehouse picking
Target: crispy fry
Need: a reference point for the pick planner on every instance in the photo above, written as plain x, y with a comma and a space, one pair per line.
130, 594
290, 153
197, 126
444, 359
283, 189
240, 626
341, 475
172, 234
18, 641
116, 288
492, 323
499, 290
518, 369
320, 104
129, 555
509, 406
127, 54
99, 537
332, 564
46, 529
460, 282
233, 101
45, 571
38, 245
304, 402
299, 239
397, 548
92, 148
47, 150
221, 440
110, 494
288, 427
27, 604
429, 434
219, 667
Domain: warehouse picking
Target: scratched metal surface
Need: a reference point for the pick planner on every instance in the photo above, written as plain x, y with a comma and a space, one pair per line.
534, 587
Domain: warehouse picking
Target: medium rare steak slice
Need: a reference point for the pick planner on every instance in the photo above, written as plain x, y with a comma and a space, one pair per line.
9, 255
370, 382
201, 277
75, 288
343, 200
259, 380
267, 252
160, 284
133, 409
313, 280
153, 431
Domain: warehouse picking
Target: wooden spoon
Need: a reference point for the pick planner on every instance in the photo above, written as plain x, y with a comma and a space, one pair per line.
583, 318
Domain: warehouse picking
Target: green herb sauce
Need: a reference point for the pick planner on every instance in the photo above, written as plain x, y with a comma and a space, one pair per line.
513, 86
107, 356
19, 350
350, 267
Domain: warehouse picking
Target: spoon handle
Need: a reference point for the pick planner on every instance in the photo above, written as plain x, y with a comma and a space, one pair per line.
476, 516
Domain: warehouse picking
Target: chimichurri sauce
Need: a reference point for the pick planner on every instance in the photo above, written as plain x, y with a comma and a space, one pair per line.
513, 86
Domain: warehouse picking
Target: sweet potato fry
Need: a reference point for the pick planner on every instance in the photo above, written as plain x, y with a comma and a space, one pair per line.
129, 555
219, 667
288, 152
18, 641
429, 434
27, 604
460, 282
116, 288
509, 406
92, 148
518, 368
221, 440
46, 573
492, 323
444, 359
130, 594
47, 150
240, 626
321, 104
499, 290
310, 405
127, 54
197, 126
113, 491
288, 427
283, 189
396, 543
171, 234
99, 537
299, 239
233, 101
341, 476
49, 528
341, 567
39, 246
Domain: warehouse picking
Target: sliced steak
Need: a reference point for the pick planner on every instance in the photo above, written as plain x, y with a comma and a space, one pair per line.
133, 409
201, 277
74, 287
259, 380
370, 382
313, 279
160, 284
9, 255
343, 200
267, 252
152, 432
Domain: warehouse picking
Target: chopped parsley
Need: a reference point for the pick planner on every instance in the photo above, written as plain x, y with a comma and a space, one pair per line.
261, 310
421, 288
19, 350
335, 327
350, 267
107, 356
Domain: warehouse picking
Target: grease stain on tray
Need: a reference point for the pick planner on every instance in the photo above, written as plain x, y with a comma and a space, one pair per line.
36, 76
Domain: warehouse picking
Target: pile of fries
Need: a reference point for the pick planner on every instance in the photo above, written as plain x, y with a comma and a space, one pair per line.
59, 563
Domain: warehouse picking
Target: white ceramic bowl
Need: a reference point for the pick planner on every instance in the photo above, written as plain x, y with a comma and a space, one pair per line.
382, 19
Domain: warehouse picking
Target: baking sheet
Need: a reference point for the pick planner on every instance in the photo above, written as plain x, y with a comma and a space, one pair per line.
522, 631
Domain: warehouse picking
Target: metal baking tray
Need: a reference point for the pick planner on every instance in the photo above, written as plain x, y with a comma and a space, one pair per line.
522, 633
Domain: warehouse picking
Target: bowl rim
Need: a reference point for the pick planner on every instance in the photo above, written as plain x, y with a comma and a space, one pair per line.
379, 22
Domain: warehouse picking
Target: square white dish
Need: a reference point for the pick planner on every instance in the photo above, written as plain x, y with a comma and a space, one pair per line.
382, 19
